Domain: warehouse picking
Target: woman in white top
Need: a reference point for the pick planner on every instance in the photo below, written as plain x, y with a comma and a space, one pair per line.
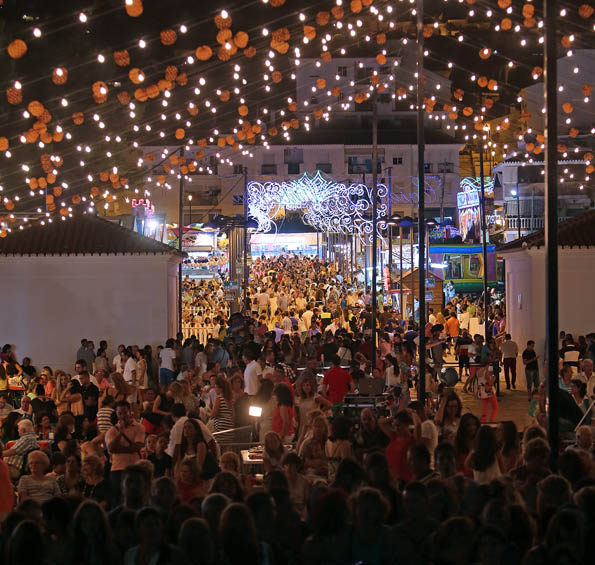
485, 459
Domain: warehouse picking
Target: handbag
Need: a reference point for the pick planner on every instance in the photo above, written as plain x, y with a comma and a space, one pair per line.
210, 466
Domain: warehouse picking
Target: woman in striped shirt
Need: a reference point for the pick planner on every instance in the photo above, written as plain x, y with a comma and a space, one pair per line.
222, 412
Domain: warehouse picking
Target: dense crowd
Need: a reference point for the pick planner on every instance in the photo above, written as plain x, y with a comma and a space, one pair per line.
135, 456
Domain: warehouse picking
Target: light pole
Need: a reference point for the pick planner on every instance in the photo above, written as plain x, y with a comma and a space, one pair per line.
515, 192
190, 201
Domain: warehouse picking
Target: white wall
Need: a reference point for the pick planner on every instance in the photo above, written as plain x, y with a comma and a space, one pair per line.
525, 275
50, 303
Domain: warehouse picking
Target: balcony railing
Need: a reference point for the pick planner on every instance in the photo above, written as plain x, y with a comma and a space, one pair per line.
529, 224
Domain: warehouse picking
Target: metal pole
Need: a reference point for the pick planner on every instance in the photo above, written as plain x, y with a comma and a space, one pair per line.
401, 272
421, 199
390, 214
374, 223
180, 237
484, 233
245, 299
551, 226
411, 234
518, 209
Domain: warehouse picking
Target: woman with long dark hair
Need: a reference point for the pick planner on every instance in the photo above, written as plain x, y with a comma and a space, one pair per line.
152, 546
510, 445
284, 414
239, 540
464, 438
222, 412
92, 541
484, 459
193, 444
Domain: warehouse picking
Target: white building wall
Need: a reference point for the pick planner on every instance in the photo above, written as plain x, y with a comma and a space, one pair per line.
50, 303
525, 276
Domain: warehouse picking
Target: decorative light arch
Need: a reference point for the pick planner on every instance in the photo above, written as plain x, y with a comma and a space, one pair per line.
326, 205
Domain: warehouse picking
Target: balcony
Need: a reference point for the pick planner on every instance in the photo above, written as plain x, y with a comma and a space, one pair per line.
529, 224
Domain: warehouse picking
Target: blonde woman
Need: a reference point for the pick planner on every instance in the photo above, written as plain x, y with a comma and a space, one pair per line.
60, 392
38, 486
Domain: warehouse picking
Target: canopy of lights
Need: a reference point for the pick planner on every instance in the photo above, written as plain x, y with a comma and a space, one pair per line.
88, 86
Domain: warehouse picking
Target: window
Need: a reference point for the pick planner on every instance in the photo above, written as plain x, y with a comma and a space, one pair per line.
325, 167
475, 266
313, 100
268, 169
445, 167
362, 164
397, 160
293, 168
427, 167
293, 156
342, 71
454, 268
238, 169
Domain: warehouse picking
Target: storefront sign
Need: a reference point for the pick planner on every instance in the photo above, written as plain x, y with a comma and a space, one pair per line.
467, 199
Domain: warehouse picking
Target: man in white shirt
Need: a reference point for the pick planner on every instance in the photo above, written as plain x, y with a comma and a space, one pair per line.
510, 351
307, 316
464, 319
588, 377
431, 317
117, 361
252, 374
263, 302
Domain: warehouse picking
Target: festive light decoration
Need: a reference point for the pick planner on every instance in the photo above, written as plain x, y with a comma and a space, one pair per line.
326, 205
261, 110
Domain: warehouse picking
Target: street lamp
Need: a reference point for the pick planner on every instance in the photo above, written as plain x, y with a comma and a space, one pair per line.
190, 200
515, 192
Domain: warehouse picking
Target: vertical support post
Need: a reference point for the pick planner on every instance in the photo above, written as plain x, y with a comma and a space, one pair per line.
411, 236
551, 226
180, 238
401, 272
421, 198
390, 215
518, 210
245, 285
374, 223
484, 238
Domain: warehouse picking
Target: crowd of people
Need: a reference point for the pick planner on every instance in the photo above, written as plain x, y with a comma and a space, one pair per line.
133, 456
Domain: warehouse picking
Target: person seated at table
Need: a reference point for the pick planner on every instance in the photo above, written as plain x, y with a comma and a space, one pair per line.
5, 407
26, 410
27, 442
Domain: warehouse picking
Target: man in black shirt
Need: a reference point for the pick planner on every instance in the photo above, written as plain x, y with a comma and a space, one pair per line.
42, 405
531, 367
90, 395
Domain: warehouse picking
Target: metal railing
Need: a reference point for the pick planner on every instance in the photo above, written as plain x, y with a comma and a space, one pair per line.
529, 224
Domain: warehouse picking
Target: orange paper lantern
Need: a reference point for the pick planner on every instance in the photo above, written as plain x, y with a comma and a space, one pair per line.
134, 8
17, 48
59, 75
203, 53
168, 36
122, 58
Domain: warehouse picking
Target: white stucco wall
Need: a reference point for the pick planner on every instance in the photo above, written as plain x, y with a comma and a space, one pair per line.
525, 276
50, 303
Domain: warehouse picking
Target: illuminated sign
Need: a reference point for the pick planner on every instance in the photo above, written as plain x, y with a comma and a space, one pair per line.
467, 199
326, 205
143, 203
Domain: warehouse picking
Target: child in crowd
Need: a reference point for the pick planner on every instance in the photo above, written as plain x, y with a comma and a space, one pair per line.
162, 462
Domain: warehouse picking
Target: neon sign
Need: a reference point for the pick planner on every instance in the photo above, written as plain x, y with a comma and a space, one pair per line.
143, 203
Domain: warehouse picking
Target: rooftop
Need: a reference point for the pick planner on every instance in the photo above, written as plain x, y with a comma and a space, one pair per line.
81, 235
576, 232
